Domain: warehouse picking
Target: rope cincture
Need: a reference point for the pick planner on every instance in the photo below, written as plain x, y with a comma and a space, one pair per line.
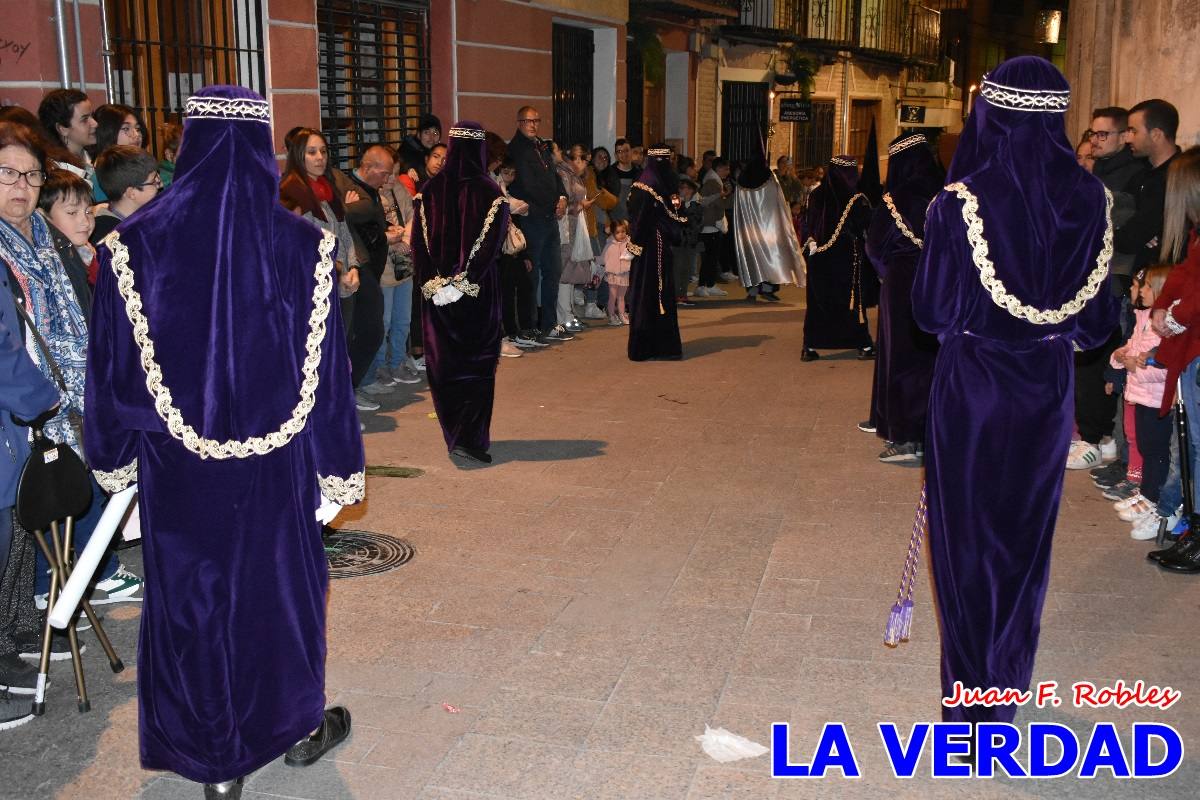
838, 230
899, 622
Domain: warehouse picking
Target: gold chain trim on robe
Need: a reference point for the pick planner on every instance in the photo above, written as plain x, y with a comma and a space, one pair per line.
658, 198
899, 220
996, 288
118, 479
163, 400
343, 491
838, 230
459, 281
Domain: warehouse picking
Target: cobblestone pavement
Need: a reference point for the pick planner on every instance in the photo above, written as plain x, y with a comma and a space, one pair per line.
658, 547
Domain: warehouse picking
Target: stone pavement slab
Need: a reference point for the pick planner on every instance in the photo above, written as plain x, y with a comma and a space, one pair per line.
657, 547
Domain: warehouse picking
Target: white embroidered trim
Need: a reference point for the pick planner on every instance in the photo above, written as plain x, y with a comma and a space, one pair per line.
838, 230
343, 491
659, 200
238, 108
659, 151
899, 220
467, 133
907, 142
118, 479
1172, 324
459, 281
843, 162
995, 287
163, 401
1016, 99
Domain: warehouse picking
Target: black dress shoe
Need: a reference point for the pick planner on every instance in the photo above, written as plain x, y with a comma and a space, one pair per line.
471, 454
774, 298
1184, 557
751, 297
808, 354
866, 353
335, 727
226, 790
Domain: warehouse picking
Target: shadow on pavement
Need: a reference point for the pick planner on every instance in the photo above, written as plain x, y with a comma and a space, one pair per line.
697, 348
545, 449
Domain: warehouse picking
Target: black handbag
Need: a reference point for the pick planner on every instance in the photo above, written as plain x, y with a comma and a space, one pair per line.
54, 482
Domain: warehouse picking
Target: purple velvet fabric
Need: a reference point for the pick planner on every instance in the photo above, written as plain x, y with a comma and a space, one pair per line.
841, 281
231, 656
653, 318
904, 362
462, 339
1000, 409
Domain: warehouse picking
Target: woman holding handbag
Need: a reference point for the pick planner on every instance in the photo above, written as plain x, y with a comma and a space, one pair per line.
58, 342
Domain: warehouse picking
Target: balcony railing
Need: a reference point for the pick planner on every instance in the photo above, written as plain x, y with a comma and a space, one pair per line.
897, 29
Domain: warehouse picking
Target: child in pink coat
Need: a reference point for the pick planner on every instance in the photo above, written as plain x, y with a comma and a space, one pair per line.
1144, 387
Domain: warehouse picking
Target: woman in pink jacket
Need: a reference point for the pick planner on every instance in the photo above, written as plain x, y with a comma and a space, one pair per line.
1144, 388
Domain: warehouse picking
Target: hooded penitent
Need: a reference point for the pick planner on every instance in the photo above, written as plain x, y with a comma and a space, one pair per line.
1009, 295
460, 223
765, 238
841, 283
218, 381
904, 363
654, 228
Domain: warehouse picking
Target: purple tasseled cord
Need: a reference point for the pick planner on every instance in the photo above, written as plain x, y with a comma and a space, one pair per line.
899, 623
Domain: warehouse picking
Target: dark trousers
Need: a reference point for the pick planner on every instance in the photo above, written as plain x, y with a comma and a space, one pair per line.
1094, 410
1154, 443
366, 328
516, 296
542, 248
710, 259
17, 613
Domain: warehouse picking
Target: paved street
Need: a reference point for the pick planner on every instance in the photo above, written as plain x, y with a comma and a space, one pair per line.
658, 547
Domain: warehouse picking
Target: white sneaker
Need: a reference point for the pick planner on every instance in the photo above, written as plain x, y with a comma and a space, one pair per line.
614, 321
728, 277
1085, 456
592, 311
717, 291
701, 291
416, 364
1146, 528
1120, 505
1137, 510
1108, 449
577, 297
378, 387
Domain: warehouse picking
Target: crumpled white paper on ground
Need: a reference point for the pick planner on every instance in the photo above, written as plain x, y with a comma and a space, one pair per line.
725, 746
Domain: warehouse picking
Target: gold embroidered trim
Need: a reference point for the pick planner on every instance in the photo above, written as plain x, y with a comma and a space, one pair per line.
163, 400
343, 491
899, 220
636, 249
996, 288
838, 230
658, 198
459, 281
118, 479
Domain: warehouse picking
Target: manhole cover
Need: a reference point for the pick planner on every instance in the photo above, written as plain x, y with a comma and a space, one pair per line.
353, 554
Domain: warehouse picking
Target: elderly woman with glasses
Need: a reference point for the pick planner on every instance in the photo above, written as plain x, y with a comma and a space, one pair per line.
40, 285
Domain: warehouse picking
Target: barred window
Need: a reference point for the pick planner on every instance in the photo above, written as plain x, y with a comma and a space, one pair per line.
163, 51
374, 72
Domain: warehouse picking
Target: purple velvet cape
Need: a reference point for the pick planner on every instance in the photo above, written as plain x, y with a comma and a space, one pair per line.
231, 657
904, 363
840, 279
462, 339
653, 318
1001, 402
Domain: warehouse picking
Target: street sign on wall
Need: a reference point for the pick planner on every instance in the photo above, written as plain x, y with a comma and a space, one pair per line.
793, 109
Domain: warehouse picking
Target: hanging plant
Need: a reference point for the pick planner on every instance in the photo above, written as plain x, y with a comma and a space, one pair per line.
650, 47
802, 68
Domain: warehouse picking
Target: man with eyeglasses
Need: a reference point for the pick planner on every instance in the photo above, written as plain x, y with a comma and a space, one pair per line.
538, 184
1098, 413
